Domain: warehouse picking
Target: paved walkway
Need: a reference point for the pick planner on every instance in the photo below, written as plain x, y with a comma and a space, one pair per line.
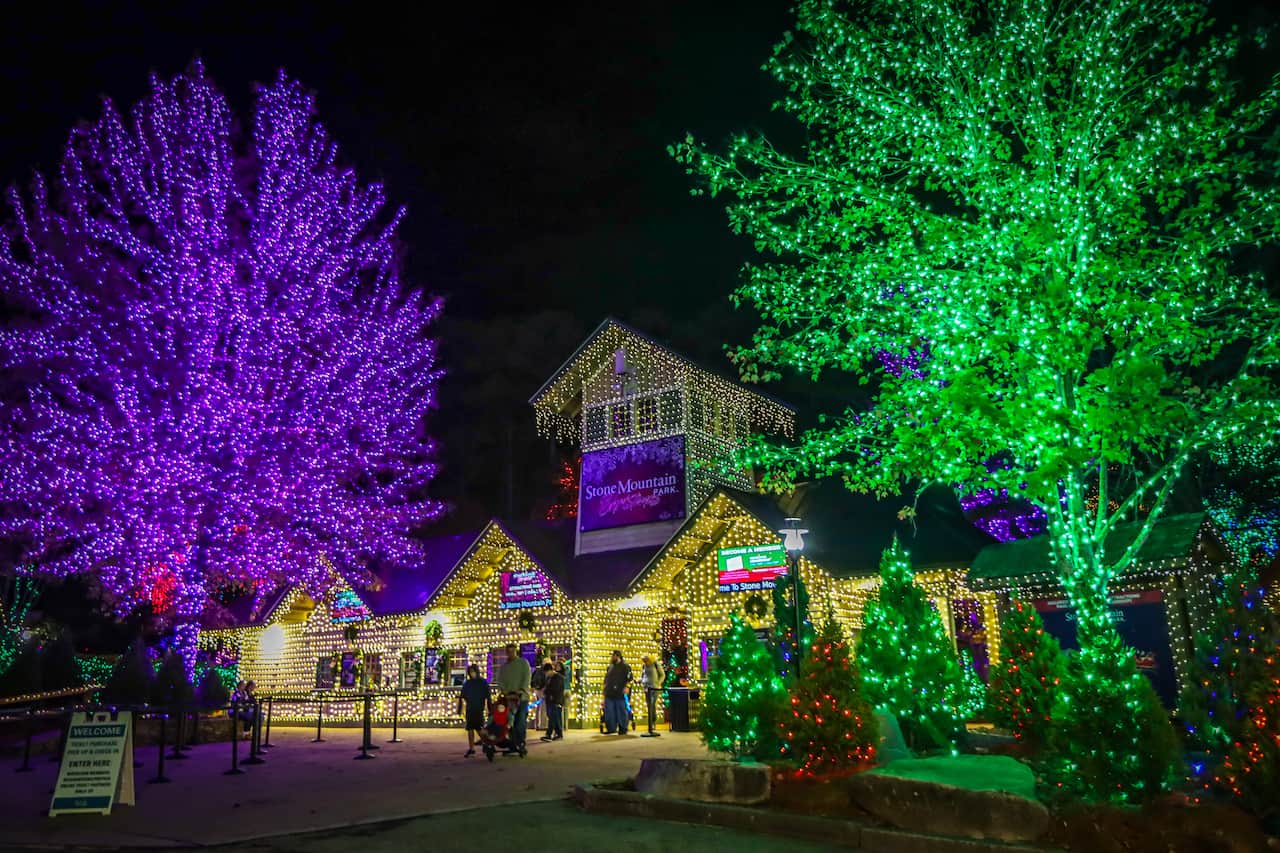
554, 826
304, 787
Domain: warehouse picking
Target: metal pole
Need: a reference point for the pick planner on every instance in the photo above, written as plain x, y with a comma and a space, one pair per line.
395, 719
255, 735
795, 597
364, 742
62, 736
266, 739
26, 750
319, 719
177, 738
160, 777
235, 744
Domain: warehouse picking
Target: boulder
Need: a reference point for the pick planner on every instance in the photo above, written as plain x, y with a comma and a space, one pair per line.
973, 796
704, 781
891, 746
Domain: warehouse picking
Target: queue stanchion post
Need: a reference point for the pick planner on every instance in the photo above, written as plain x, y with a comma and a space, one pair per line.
160, 777
319, 720
266, 738
235, 743
364, 741
395, 718
177, 755
137, 715
26, 749
255, 735
63, 732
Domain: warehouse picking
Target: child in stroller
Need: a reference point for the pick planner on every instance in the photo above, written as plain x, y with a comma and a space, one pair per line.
497, 734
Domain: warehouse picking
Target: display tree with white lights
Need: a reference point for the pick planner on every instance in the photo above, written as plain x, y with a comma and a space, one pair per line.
1047, 216
214, 373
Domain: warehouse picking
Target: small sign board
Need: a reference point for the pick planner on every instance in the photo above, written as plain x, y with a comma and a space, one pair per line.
750, 568
97, 765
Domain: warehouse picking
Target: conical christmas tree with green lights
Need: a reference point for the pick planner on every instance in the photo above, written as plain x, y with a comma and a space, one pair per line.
744, 698
831, 727
1111, 737
1027, 675
906, 660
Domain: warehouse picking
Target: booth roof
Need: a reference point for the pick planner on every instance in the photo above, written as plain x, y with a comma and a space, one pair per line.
848, 531
405, 589
397, 589
552, 545
241, 613
1172, 538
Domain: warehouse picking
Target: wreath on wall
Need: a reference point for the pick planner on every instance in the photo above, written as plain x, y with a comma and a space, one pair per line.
433, 633
350, 632
755, 606
526, 621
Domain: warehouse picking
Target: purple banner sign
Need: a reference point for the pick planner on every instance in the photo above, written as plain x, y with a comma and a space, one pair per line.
524, 589
635, 484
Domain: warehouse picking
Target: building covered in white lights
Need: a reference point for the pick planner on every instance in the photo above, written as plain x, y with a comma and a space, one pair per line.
669, 539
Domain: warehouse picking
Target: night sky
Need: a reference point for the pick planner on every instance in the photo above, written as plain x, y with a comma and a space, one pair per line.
528, 144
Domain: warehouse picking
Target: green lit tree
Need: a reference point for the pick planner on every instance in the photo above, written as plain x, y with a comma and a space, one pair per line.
1110, 737
1027, 675
1031, 229
1232, 705
831, 727
905, 658
744, 698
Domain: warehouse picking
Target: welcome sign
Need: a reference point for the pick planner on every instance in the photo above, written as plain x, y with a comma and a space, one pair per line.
635, 484
750, 568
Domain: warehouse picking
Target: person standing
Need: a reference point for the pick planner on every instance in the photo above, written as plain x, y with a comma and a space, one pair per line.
553, 699
474, 699
615, 695
651, 678
563, 672
514, 677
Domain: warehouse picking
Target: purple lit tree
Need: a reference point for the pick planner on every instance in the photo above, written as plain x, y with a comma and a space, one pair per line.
212, 374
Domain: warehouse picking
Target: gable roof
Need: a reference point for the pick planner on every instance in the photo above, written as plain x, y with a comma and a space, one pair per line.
1171, 541
848, 531
560, 392
601, 575
248, 611
406, 589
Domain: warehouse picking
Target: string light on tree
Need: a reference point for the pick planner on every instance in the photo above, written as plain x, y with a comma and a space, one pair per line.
224, 375
1068, 200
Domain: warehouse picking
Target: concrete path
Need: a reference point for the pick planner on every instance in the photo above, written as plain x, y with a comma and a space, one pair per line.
554, 826
304, 787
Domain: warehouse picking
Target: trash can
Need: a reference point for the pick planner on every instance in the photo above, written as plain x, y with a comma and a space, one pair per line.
682, 708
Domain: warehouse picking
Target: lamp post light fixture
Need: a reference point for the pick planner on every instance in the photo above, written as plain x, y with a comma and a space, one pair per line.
793, 542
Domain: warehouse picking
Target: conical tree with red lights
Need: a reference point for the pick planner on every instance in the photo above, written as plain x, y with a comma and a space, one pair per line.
832, 728
1026, 676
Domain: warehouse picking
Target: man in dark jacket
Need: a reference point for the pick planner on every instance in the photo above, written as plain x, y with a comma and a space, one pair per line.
615, 695
553, 699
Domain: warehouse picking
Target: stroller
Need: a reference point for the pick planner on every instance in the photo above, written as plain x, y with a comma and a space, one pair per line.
497, 734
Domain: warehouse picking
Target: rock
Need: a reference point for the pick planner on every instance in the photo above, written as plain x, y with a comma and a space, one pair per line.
892, 746
969, 808
704, 781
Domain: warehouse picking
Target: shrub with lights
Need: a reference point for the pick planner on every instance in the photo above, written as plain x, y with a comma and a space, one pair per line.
905, 658
1111, 738
1232, 708
1026, 677
744, 698
784, 622
831, 728
971, 697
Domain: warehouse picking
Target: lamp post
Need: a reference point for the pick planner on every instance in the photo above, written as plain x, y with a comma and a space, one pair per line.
793, 542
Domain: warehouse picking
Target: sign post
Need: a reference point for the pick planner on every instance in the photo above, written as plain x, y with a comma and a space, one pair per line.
94, 772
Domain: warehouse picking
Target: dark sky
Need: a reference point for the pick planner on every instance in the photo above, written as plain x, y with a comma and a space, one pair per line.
528, 143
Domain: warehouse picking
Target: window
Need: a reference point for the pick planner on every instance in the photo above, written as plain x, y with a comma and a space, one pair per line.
620, 420
647, 415
695, 413
595, 425
669, 409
